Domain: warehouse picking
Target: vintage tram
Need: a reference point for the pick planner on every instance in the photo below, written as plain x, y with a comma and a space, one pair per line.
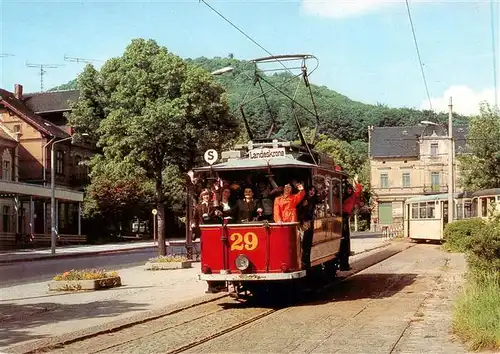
253, 256
271, 251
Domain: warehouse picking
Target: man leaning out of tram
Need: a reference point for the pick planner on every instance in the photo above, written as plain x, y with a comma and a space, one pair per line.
285, 206
306, 212
267, 193
249, 209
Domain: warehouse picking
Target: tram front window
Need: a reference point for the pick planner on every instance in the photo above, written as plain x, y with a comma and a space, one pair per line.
252, 193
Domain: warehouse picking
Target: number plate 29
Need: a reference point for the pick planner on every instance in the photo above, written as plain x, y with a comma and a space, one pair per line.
248, 241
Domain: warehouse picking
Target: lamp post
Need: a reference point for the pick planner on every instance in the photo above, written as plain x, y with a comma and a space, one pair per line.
451, 157
53, 238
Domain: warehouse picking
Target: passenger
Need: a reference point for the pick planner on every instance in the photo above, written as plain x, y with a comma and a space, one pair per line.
226, 207
204, 213
267, 198
285, 206
249, 209
351, 197
306, 212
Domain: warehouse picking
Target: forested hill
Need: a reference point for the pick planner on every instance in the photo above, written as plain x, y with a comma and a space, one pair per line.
340, 117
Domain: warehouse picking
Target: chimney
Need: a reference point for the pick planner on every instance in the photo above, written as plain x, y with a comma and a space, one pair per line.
18, 91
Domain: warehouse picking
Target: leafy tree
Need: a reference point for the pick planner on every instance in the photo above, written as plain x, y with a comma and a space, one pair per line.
160, 114
480, 165
87, 113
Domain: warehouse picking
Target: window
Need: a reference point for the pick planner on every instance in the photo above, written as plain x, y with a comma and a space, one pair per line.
406, 180
6, 219
78, 168
414, 211
60, 162
6, 171
384, 180
423, 210
435, 182
434, 149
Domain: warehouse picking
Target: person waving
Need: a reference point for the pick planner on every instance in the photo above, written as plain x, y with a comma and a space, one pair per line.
285, 206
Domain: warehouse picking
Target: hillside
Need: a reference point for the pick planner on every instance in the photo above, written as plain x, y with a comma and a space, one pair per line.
340, 117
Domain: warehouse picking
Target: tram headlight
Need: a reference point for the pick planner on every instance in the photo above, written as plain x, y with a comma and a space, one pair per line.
242, 262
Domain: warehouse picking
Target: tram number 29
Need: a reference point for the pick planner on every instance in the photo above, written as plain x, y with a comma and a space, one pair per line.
248, 241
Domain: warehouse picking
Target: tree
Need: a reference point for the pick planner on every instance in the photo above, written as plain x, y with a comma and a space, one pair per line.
160, 114
480, 164
88, 112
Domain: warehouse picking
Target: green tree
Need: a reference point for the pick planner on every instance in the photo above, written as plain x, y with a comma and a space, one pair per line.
87, 113
480, 165
160, 114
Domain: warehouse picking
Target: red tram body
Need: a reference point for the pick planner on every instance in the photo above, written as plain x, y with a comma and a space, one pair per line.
255, 254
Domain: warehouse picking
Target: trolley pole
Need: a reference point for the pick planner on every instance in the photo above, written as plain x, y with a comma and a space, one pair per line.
451, 155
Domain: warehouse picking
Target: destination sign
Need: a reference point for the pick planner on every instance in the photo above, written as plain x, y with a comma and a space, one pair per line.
266, 153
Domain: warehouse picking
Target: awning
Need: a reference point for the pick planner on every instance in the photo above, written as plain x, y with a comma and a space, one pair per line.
19, 188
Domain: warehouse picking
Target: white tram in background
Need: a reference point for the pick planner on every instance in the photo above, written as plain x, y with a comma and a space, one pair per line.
425, 217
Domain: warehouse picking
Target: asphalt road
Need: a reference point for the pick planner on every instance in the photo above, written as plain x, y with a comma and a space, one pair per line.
43, 270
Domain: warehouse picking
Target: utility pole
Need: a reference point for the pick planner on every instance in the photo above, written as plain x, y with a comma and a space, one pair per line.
42, 71
451, 155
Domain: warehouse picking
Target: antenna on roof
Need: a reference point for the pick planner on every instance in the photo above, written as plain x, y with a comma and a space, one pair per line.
42, 71
4, 55
80, 60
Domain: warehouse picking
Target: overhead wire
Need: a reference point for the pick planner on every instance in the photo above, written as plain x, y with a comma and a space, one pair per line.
418, 53
243, 33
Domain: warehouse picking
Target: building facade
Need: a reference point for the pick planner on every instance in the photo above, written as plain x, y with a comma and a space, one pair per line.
409, 161
29, 125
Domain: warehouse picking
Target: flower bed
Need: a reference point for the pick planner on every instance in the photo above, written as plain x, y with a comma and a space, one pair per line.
86, 279
168, 262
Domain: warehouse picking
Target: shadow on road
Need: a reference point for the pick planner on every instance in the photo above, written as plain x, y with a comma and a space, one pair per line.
19, 320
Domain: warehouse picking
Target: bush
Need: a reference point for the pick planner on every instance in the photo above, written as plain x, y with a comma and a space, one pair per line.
484, 252
169, 258
85, 274
458, 235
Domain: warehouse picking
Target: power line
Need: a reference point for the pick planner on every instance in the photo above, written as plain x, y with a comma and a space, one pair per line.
243, 33
418, 54
492, 23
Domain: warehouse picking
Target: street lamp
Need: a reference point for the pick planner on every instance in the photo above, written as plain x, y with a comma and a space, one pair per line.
221, 71
53, 239
451, 157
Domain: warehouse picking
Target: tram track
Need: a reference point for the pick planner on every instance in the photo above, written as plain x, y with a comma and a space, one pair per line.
193, 326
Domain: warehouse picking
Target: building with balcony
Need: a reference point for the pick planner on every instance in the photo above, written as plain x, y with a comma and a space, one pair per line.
29, 125
409, 161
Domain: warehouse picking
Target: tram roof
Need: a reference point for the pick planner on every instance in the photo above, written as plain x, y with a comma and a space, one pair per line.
486, 192
432, 197
246, 164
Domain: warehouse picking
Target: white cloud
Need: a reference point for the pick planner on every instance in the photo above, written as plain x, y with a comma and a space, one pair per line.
345, 8
465, 100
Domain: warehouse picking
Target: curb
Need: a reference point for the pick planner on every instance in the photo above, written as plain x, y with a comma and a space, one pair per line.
73, 255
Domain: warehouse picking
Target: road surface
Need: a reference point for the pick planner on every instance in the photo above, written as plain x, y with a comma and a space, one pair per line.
43, 270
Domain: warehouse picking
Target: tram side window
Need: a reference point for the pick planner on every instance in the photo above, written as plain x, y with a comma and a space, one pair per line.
423, 210
323, 190
336, 201
414, 211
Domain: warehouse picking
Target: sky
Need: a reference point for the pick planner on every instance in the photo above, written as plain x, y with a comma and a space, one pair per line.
365, 47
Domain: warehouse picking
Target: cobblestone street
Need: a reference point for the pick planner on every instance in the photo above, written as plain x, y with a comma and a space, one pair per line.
400, 305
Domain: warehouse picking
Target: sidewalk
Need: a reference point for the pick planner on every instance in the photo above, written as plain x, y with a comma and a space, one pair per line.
30, 312
25, 255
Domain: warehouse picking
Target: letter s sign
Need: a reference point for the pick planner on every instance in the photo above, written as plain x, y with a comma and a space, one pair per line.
211, 156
